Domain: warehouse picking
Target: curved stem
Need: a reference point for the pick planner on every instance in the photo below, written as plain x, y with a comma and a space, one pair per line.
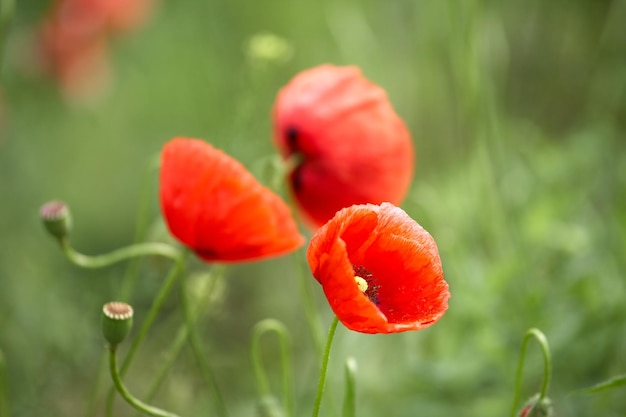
132, 251
167, 362
271, 325
147, 324
181, 338
320, 386
547, 366
198, 350
130, 399
132, 271
131, 274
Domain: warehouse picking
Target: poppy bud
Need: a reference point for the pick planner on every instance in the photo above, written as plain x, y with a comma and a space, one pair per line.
56, 217
537, 408
352, 147
267, 48
269, 407
117, 320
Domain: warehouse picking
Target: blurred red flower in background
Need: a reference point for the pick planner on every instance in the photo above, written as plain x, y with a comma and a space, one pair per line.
350, 145
73, 39
214, 206
379, 270
75, 55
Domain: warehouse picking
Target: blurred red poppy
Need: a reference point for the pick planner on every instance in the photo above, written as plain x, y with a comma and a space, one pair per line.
350, 144
73, 37
213, 205
104, 16
379, 269
120, 15
76, 56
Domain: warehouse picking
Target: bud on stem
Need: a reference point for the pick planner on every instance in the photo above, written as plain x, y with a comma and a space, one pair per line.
117, 320
56, 218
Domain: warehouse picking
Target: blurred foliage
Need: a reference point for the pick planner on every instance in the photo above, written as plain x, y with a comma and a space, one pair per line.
518, 111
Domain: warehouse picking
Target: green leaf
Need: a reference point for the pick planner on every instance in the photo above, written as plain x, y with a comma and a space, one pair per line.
614, 382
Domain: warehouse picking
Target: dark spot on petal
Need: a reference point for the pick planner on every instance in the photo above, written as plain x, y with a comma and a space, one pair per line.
292, 138
296, 179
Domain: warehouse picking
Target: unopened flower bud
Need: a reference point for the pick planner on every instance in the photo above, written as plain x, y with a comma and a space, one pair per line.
56, 217
269, 407
117, 320
536, 408
267, 48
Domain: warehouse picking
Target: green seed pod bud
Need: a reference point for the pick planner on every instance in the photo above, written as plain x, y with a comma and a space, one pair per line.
536, 408
117, 320
267, 406
56, 217
266, 48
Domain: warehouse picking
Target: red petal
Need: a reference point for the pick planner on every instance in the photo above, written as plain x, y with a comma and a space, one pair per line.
405, 259
355, 148
351, 306
411, 293
213, 205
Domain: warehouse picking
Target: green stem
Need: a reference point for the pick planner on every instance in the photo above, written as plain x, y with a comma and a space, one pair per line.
4, 396
349, 401
271, 325
320, 386
181, 338
130, 275
130, 399
547, 367
171, 355
132, 251
198, 351
7, 11
147, 324
132, 271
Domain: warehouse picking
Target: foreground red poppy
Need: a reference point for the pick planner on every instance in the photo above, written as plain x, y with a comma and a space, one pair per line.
214, 206
351, 146
379, 269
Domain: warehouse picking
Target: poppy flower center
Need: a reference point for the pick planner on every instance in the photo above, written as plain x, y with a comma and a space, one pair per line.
361, 283
292, 139
366, 283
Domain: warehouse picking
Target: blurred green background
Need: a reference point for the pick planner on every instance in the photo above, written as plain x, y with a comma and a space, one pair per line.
518, 113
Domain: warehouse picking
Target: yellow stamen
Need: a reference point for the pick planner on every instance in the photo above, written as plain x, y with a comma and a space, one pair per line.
361, 283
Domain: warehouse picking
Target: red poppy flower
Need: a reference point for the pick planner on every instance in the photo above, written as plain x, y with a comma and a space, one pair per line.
72, 48
379, 269
104, 16
79, 64
213, 205
351, 145
72, 43
124, 15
